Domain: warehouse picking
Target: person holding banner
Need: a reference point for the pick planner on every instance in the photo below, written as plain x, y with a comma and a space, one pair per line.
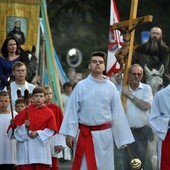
94, 119
10, 51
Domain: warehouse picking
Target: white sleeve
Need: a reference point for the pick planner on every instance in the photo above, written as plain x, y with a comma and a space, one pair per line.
59, 140
21, 133
44, 135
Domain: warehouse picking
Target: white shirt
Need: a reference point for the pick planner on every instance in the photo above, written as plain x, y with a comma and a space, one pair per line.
65, 100
14, 87
136, 117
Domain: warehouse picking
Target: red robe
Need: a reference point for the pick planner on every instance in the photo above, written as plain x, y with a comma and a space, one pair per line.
59, 118
57, 113
40, 118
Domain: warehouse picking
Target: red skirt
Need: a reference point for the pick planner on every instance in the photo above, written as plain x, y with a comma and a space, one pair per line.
33, 167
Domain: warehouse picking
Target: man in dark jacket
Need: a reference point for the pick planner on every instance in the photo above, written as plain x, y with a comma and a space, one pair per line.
153, 53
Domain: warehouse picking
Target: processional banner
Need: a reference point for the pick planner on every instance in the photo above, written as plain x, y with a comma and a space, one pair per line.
20, 18
115, 41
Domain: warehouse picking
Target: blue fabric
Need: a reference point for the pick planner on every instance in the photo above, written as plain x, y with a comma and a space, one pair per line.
5, 70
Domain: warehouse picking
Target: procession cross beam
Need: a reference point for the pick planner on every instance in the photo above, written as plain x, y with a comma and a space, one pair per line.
145, 19
132, 23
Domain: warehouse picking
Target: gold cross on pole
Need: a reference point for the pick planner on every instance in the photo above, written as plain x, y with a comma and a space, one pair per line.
130, 24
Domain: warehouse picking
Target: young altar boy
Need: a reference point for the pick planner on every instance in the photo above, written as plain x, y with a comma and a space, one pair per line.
34, 127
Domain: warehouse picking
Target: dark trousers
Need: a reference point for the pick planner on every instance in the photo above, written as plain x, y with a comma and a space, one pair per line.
138, 148
7, 167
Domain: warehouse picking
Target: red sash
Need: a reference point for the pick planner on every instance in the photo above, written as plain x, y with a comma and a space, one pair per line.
85, 145
165, 155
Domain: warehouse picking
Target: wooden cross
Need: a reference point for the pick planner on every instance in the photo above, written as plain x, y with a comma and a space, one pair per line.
130, 24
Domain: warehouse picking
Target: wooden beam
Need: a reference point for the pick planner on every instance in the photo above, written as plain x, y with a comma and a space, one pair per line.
146, 19
130, 25
133, 13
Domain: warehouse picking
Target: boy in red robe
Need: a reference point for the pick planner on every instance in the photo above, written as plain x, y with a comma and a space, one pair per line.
34, 127
58, 141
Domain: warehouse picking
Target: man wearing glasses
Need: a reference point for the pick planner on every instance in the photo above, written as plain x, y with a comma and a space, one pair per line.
139, 99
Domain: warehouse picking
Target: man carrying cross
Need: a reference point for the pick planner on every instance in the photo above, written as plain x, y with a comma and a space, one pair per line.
132, 87
139, 98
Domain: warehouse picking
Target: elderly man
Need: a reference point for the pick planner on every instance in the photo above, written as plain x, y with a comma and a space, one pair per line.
153, 53
139, 99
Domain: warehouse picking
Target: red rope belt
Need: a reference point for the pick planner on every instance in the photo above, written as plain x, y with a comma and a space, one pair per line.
85, 145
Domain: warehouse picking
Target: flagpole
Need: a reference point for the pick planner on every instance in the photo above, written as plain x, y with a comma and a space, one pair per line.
51, 66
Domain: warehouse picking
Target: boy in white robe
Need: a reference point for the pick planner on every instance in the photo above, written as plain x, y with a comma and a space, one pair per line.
95, 119
19, 71
7, 146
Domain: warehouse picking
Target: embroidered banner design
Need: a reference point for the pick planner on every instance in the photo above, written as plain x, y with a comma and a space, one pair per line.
20, 18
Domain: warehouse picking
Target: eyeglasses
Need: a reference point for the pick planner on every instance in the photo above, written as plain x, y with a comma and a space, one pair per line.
136, 74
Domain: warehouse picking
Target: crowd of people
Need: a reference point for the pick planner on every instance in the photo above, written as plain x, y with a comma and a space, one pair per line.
32, 140
35, 132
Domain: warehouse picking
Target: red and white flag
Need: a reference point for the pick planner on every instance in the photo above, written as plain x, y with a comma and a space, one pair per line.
115, 41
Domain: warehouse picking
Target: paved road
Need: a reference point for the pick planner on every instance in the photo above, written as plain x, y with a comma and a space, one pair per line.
65, 165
